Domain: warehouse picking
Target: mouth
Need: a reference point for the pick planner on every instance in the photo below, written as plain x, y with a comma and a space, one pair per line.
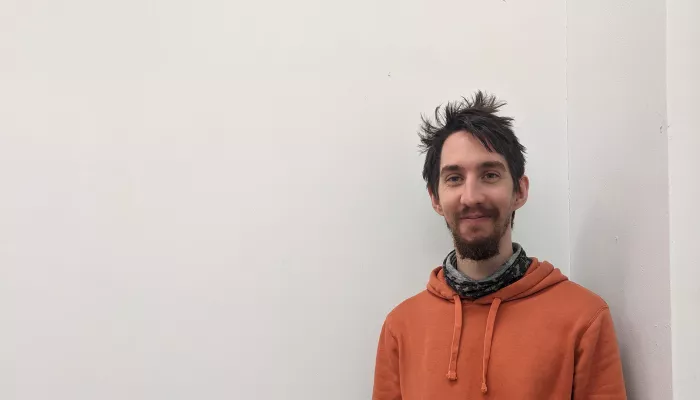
475, 218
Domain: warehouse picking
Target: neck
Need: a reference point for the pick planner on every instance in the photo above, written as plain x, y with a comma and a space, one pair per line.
481, 269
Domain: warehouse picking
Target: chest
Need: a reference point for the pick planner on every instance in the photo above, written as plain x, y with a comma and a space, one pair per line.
530, 355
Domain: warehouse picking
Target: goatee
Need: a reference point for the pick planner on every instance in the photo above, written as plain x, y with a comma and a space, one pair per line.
482, 249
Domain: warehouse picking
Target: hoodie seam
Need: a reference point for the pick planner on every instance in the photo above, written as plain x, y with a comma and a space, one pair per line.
594, 318
581, 334
388, 323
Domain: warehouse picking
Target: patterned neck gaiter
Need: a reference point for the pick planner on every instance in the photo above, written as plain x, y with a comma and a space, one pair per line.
469, 288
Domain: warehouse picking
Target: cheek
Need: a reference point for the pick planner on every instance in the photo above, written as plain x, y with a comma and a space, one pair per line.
445, 198
503, 202
450, 206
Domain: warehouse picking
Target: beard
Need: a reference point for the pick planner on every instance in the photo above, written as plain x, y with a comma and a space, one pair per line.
482, 248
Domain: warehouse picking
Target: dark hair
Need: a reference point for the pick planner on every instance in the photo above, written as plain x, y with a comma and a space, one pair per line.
477, 116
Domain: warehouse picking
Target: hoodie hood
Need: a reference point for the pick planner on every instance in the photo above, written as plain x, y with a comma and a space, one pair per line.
539, 276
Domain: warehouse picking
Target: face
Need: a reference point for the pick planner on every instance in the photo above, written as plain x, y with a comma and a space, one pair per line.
476, 196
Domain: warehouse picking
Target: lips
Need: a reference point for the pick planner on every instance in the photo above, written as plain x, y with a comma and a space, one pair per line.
475, 216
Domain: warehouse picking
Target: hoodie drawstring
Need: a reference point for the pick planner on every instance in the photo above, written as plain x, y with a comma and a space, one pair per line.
456, 337
488, 338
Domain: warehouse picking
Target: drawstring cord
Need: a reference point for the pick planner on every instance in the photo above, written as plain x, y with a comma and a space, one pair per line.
456, 337
488, 339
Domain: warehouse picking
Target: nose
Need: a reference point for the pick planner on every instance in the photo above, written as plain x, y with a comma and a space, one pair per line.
472, 193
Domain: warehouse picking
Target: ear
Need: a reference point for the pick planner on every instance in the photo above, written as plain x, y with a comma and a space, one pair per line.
521, 196
436, 202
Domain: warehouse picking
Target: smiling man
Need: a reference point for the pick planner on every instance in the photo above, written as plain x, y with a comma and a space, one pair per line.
493, 323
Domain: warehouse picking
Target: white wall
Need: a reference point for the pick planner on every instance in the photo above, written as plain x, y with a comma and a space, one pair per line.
619, 177
223, 200
683, 79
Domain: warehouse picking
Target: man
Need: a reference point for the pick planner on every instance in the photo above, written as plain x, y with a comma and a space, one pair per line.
493, 322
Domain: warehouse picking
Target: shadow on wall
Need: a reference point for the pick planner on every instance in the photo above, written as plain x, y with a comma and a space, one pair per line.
600, 253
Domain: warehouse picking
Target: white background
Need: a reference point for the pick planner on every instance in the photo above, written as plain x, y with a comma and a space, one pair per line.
617, 130
222, 200
683, 48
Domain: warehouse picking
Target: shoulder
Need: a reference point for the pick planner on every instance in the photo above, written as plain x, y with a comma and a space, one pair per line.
578, 295
573, 302
412, 308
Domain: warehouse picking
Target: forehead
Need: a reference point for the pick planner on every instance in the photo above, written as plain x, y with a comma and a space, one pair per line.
463, 149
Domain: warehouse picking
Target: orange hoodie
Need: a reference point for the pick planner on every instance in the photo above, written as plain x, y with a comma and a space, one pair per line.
543, 337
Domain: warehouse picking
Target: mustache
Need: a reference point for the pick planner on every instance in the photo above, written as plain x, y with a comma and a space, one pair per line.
478, 211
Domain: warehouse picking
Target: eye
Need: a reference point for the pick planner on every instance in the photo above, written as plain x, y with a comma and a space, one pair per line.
491, 176
453, 179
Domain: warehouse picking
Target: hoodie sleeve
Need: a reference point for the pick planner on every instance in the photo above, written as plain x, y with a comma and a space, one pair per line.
386, 370
598, 369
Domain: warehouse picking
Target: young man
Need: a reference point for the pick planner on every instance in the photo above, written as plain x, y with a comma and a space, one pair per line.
493, 322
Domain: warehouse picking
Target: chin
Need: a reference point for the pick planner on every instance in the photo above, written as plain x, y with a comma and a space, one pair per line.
476, 236
474, 240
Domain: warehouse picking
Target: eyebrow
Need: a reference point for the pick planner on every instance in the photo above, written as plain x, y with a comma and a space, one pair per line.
450, 168
492, 164
484, 165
